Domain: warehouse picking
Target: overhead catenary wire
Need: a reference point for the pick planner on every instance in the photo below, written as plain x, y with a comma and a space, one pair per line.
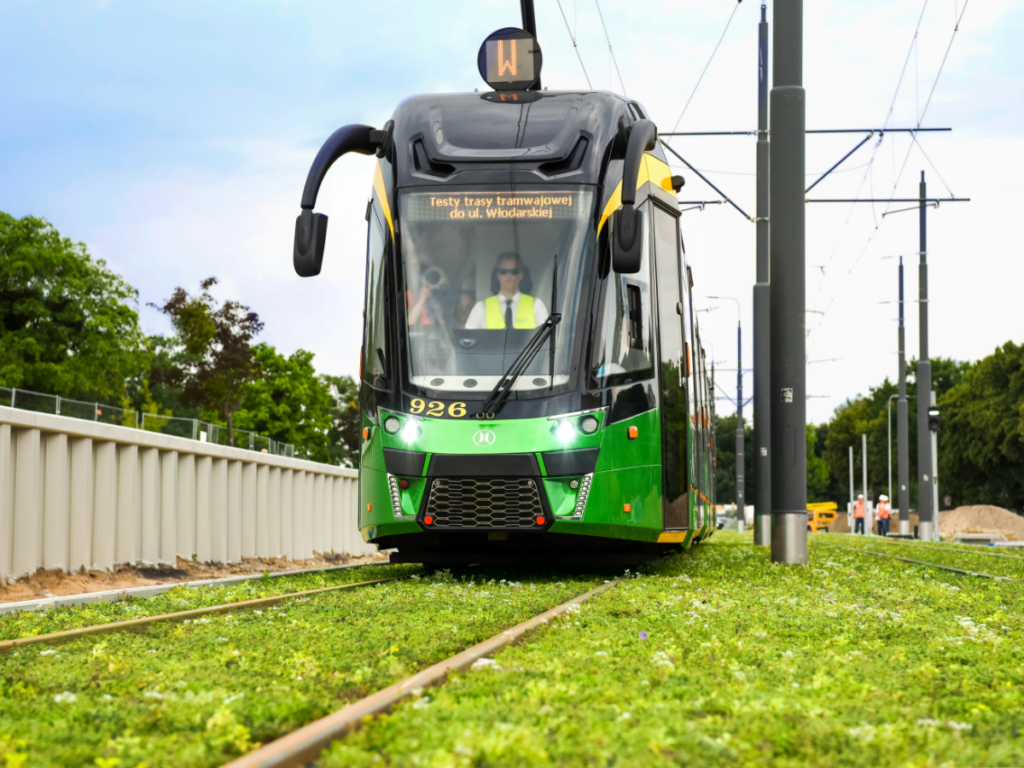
704, 71
867, 173
920, 119
610, 50
935, 83
574, 45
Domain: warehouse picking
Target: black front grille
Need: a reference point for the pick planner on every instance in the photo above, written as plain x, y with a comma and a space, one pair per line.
476, 502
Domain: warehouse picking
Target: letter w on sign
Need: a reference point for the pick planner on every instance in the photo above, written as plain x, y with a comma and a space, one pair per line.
502, 63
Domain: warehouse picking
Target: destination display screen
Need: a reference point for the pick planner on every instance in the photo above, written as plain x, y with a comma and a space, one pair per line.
510, 60
475, 207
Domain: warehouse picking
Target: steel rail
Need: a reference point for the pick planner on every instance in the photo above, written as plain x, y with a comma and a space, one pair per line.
101, 629
303, 746
943, 547
154, 590
922, 562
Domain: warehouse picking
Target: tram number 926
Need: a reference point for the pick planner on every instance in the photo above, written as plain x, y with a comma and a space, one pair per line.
435, 408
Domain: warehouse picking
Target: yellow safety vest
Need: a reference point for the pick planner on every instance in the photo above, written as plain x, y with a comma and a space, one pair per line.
495, 313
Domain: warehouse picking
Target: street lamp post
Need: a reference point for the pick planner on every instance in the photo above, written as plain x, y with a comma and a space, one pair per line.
740, 480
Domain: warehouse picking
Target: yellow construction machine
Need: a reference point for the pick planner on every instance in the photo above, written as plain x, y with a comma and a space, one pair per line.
820, 515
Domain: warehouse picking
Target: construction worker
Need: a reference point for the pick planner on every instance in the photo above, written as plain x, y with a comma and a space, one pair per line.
883, 513
859, 509
508, 307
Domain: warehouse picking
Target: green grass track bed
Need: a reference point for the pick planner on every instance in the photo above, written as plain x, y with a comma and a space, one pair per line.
202, 692
977, 560
40, 622
716, 657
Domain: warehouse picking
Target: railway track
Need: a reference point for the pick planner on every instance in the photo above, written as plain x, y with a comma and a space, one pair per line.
273, 663
942, 546
118, 626
953, 569
305, 745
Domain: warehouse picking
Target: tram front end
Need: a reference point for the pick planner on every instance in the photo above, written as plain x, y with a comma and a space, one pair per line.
528, 391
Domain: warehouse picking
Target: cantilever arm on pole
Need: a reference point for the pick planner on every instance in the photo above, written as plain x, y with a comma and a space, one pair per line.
826, 173
706, 181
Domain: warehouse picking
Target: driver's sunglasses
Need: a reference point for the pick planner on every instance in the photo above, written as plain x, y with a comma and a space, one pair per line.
508, 271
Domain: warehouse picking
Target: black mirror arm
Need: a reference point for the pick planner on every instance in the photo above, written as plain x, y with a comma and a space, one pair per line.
311, 228
642, 138
348, 138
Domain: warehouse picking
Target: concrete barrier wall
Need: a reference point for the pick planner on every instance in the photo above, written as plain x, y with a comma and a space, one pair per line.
75, 493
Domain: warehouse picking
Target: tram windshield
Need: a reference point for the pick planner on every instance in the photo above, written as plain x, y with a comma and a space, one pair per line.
479, 270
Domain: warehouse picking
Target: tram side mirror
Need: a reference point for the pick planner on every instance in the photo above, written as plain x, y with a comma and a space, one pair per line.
627, 222
310, 237
626, 238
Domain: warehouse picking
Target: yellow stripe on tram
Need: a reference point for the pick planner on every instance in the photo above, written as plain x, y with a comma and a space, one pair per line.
382, 195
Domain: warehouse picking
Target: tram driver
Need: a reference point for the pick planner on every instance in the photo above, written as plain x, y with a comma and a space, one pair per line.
508, 306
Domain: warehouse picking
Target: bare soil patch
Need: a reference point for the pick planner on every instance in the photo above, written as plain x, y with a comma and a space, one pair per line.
56, 583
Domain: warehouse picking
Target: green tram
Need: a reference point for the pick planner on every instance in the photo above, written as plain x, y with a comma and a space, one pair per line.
533, 385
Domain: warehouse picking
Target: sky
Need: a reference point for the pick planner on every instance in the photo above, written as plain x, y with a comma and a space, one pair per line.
173, 139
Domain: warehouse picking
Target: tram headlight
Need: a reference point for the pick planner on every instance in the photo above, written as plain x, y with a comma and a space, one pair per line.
565, 431
391, 425
588, 425
411, 431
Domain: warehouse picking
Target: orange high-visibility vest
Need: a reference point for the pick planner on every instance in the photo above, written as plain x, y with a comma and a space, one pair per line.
884, 510
858, 509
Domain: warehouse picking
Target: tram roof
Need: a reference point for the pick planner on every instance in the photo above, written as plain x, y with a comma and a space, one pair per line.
468, 137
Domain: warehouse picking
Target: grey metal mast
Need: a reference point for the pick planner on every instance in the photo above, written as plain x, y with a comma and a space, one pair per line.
741, 515
864, 480
787, 275
902, 455
762, 372
924, 386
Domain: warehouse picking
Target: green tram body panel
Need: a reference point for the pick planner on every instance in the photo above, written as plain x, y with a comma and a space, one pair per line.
436, 191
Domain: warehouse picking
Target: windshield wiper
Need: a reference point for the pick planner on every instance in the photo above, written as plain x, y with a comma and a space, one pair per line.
494, 402
500, 393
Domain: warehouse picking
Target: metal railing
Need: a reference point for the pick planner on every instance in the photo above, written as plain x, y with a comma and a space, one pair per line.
178, 426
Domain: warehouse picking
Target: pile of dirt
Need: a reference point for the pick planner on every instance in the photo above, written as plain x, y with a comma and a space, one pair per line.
982, 518
57, 583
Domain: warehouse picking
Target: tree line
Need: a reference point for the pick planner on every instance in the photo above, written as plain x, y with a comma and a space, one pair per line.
981, 442
69, 326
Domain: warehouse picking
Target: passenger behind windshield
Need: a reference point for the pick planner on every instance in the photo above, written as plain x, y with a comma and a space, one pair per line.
508, 308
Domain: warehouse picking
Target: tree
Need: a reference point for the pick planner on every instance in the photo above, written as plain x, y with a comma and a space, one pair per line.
289, 403
345, 433
218, 360
870, 415
981, 442
818, 485
68, 324
725, 450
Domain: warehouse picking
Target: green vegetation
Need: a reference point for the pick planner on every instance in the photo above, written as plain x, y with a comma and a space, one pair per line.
981, 444
202, 692
819, 486
69, 326
717, 657
977, 560
32, 623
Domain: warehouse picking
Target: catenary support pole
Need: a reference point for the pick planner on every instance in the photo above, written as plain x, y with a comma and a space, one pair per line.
741, 515
787, 276
902, 430
849, 508
762, 373
935, 477
924, 386
864, 480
